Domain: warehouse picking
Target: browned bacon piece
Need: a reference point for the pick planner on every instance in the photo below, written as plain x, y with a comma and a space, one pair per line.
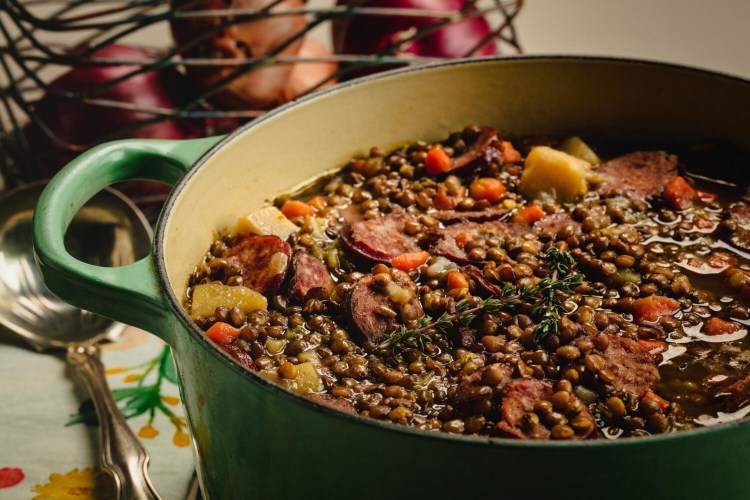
264, 261
380, 239
310, 275
633, 366
640, 175
481, 281
487, 147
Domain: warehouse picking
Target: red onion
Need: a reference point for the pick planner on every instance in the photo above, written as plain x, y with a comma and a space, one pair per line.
83, 125
86, 124
260, 88
372, 34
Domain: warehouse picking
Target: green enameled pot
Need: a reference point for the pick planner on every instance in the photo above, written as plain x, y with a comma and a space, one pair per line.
253, 439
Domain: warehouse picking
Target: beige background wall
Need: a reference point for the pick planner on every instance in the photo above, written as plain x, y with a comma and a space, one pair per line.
712, 34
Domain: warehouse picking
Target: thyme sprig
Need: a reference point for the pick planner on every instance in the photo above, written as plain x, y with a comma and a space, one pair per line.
549, 308
419, 337
544, 295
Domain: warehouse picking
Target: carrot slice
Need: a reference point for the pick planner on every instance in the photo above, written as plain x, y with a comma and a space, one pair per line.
717, 326
444, 201
437, 162
679, 194
295, 208
654, 307
222, 333
410, 260
457, 280
462, 239
487, 188
528, 215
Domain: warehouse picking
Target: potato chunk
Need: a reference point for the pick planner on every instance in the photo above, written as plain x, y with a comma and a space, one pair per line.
268, 221
306, 379
555, 173
575, 146
207, 297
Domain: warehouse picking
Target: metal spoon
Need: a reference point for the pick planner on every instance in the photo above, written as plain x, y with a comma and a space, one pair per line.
108, 231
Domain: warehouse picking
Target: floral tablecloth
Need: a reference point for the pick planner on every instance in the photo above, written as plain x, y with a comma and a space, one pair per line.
48, 438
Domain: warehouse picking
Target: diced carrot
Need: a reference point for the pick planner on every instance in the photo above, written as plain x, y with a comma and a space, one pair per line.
706, 197
457, 280
717, 326
679, 194
530, 214
222, 333
653, 307
410, 260
653, 346
650, 395
510, 154
487, 188
437, 162
462, 239
295, 208
317, 202
444, 201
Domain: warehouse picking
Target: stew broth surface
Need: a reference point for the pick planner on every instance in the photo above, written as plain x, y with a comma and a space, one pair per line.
533, 288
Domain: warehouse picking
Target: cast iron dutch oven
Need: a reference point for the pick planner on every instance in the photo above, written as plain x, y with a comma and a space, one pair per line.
253, 439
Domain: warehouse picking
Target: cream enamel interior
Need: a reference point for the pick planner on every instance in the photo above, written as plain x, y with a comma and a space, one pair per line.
525, 96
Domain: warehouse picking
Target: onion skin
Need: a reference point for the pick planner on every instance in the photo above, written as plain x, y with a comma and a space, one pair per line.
87, 124
260, 88
305, 76
83, 125
373, 34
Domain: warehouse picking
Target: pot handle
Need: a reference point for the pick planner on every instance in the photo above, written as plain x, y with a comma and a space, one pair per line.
130, 293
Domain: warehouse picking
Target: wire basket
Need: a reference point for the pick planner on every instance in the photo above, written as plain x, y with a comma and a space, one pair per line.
204, 71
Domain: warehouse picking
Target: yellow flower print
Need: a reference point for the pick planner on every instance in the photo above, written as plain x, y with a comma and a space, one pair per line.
148, 431
85, 484
145, 396
181, 439
115, 371
171, 400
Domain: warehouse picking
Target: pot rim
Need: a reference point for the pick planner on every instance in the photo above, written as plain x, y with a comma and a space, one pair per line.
184, 319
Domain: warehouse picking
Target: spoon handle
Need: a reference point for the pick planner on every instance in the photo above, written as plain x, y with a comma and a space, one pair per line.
122, 455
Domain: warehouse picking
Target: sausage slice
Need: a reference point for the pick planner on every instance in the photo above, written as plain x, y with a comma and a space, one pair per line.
264, 261
381, 239
640, 175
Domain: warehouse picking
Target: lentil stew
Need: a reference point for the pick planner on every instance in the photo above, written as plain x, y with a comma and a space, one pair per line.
523, 289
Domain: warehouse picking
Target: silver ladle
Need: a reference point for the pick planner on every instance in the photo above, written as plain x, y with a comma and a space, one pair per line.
108, 231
